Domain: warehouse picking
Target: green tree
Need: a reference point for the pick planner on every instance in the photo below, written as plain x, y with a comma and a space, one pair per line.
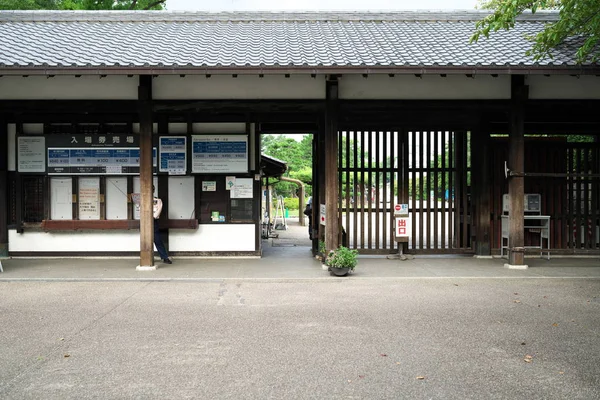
297, 155
579, 19
82, 4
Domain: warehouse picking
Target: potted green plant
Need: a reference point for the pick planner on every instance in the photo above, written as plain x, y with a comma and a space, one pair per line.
341, 261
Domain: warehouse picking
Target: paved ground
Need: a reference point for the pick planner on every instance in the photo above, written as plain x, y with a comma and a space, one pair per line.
281, 327
288, 257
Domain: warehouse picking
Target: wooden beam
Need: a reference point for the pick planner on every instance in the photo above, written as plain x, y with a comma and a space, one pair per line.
146, 217
331, 167
516, 162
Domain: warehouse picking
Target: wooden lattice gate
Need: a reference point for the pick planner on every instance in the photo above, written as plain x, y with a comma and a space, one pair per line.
428, 170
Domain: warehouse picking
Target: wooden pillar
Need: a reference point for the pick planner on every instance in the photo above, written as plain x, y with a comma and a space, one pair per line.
318, 189
480, 186
3, 188
516, 162
146, 214
331, 166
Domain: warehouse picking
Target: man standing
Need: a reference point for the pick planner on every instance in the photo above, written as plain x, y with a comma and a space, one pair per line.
160, 246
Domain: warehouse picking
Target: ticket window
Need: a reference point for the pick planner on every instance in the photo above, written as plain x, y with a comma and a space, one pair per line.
88, 199
61, 198
116, 198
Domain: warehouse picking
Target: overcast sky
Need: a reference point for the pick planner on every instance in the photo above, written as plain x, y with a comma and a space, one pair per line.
311, 5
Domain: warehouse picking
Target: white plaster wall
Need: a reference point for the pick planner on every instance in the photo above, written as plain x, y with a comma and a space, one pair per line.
219, 127
563, 87
206, 238
177, 127
33, 129
226, 87
73, 241
69, 88
427, 87
214, 237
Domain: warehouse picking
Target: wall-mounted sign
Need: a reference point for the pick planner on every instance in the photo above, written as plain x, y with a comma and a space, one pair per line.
209, 186
403, 227
219, 154
322, 214
89, 198
31, 154
95, 161
83, 154
401, 210
242, 189
172, 154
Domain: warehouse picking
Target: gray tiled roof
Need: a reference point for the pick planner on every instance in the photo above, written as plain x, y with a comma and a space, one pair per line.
178, 42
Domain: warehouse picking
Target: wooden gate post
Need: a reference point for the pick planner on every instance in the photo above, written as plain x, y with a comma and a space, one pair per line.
146, 214
331, 166
480, 187
516, 162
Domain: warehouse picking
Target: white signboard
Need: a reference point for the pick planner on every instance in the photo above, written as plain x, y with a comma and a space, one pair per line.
32, 154
322, 210
209, 186
89, 198
172, 154
403, 227
219, 154
242, 189
401, 210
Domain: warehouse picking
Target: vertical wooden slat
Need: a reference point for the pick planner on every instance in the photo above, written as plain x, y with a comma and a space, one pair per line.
4, 204
595, 192
414, 175
403, 164
421, 189
370, 191
586, 198
467, 205
571, 202
451, 196
363, 198
377, 185
355, 190
458, 217
435, 174
340, 173
426, 208
395, 180
385, 211
348, 176
578, 199
446, 195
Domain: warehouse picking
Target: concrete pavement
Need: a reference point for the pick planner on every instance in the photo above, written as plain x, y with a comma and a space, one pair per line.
281, 327
288, 257
379, 338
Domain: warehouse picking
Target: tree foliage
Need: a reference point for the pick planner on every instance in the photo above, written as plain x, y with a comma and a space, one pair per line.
297, 155
577, 19
82, 4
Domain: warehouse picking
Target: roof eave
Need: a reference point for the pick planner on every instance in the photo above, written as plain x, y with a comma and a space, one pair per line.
309, 70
